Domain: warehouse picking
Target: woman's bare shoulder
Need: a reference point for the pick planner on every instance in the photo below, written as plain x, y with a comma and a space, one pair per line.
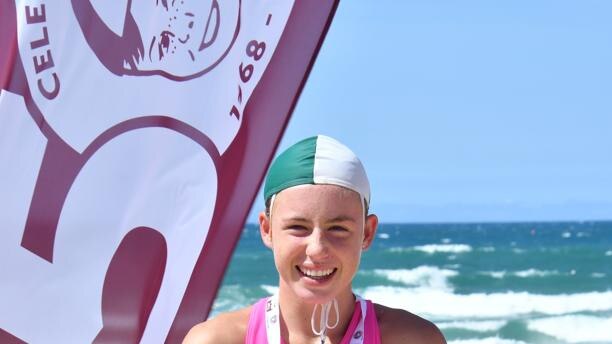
400, 326
227, 327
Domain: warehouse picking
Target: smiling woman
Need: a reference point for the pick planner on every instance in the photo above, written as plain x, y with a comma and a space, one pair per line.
317, 224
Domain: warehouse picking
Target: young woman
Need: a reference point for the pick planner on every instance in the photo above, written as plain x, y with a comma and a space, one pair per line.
317, 225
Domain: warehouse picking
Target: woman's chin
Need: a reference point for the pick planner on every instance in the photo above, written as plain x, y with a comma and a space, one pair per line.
315, 296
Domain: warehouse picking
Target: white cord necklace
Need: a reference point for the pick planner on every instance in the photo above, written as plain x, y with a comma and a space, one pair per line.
273, 321
324, 318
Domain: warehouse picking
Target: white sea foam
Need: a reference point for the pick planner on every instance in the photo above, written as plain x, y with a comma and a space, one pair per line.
489, 340
609, 253
518, 250
566, 235
444, 248
383, 236
422, 276
479, 326
446, 240
598, 275
535, 273
522, 274
487, 249
494, 274
397, 249
575, 328
230, 297
270, 289
440, 304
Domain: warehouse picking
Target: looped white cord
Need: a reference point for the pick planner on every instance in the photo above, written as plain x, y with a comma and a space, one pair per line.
323, 320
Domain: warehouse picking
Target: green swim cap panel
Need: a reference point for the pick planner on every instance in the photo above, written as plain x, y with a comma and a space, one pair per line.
295, 166
318, 160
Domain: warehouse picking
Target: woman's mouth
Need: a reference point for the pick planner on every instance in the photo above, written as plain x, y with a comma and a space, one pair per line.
316, 274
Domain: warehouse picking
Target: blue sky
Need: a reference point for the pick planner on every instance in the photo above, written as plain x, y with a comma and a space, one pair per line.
469, 110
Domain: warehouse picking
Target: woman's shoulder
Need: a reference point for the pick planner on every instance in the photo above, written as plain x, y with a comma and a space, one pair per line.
400, 326
227, 327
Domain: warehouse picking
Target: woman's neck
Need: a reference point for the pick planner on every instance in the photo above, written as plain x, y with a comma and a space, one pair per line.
296, 317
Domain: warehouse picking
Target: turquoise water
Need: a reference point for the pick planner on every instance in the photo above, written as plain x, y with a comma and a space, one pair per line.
480, 283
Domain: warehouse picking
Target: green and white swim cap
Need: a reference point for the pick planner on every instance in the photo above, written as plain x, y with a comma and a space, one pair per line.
317, 160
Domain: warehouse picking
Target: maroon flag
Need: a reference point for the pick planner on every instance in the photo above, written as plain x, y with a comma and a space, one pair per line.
133, 139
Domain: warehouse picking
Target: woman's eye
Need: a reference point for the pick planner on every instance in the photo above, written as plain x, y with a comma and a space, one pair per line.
297, 227
297, 230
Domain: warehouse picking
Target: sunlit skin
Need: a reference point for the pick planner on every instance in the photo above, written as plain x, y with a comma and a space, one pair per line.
317, 228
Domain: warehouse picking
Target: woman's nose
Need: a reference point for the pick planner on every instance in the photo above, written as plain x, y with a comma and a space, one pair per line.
317, 246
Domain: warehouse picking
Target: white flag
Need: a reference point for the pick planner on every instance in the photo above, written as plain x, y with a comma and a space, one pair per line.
133, 139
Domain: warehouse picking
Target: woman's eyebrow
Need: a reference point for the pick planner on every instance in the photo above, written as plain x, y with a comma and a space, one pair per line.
342, 218
296, 219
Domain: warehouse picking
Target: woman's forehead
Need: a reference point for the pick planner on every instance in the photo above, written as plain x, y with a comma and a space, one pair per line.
318, 191
330, 200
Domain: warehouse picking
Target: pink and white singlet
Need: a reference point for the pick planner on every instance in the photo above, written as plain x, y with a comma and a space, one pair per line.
264, 324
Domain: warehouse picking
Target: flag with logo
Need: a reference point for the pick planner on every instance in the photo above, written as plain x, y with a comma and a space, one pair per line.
134, 136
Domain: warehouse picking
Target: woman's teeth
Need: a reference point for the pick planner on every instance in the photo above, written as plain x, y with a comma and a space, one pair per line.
316, 273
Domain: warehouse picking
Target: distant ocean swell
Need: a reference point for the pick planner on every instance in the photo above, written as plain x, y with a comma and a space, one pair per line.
479, 283
573, 318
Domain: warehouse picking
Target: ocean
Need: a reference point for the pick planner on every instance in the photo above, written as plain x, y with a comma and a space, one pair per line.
484, 283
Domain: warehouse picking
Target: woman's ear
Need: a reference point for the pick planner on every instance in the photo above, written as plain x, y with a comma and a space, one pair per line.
371, 224
265, 229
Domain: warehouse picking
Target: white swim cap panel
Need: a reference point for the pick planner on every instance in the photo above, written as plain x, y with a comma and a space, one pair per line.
336, 164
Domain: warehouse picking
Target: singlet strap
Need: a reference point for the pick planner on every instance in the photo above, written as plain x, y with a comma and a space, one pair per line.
273, 320
357, 334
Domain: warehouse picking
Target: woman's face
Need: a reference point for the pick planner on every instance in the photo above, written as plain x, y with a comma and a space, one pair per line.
184, 37
317, 234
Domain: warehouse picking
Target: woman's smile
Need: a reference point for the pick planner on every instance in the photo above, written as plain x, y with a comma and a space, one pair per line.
319, 275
